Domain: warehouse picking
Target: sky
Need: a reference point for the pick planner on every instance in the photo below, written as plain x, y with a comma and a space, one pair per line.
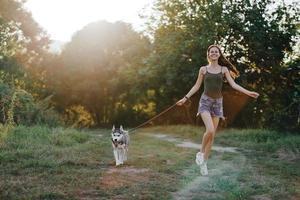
62, 18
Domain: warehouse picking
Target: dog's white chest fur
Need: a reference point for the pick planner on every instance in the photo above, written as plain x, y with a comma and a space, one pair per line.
120, 143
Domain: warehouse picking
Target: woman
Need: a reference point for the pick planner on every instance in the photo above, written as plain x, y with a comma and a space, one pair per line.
211, 101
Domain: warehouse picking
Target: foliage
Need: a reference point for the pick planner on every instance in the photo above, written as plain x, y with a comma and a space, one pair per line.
77, 116
23, 48
20, 35
254, 35
99, 70
109, 73
19, 107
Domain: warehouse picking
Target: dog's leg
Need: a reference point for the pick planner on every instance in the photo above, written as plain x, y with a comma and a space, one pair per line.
124, 157
125, 153
116, 156
114, 151
125, 150
121, 156
120, 161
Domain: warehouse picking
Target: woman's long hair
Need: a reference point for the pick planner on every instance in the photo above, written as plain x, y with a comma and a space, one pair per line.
224, 62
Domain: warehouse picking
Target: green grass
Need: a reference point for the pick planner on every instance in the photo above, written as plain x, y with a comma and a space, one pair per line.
59, 163
273, 156
43, 163
263, 140
255, 139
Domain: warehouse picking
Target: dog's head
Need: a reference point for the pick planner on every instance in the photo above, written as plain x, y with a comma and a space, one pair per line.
117, 134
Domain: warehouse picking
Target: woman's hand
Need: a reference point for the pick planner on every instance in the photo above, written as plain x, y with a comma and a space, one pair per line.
253, 94
181, 101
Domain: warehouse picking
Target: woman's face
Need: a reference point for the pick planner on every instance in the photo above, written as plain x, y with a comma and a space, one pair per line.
213, 54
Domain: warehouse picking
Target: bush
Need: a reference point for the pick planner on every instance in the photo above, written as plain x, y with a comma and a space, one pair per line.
24, 109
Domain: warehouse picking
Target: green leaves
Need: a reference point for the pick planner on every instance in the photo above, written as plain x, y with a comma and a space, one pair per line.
108, 71
255, 36
100, 69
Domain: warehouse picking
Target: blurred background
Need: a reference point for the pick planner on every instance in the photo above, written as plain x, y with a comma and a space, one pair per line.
97, 63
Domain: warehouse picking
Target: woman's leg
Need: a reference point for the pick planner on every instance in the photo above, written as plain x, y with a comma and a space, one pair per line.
210, 142
209, 131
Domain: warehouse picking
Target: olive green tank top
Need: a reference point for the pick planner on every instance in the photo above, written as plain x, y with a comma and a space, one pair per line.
213, 84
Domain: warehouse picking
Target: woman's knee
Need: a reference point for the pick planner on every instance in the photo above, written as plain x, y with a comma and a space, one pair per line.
210, 133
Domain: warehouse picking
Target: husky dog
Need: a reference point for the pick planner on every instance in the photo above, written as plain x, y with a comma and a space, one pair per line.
120, 142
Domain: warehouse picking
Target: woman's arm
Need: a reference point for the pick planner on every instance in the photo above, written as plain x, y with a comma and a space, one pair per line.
238, 87
194, 89
197, 85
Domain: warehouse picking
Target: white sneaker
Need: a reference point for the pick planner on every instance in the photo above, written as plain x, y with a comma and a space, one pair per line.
203, 169
199, 158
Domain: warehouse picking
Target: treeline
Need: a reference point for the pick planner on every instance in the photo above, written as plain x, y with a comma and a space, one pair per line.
109, 73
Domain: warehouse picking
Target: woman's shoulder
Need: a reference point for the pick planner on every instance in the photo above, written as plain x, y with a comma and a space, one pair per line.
202, 69
224, 69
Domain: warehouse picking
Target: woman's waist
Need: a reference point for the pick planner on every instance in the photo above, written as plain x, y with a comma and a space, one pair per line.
212, 97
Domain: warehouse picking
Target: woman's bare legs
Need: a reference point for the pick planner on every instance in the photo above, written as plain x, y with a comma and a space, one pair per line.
209, 129
211, 124
211, 141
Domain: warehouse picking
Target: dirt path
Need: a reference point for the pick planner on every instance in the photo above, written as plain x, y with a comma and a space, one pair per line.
234, 173
220, 170
189, 144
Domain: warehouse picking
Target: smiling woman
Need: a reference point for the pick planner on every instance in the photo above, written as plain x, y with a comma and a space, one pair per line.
61, 18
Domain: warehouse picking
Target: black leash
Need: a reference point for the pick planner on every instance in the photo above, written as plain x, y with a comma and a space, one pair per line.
156, 116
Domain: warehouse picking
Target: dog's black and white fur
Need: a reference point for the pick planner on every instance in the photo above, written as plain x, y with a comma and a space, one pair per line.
120, 143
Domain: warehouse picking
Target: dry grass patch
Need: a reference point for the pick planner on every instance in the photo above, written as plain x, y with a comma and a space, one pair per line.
117, 177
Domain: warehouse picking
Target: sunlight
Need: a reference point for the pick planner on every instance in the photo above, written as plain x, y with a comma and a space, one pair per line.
61, 18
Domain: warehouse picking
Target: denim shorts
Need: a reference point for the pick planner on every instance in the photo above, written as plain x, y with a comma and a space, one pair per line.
211, 105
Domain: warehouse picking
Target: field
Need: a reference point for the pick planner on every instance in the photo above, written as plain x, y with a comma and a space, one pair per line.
59, 163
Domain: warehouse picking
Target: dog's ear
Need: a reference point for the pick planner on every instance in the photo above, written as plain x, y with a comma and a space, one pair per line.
121, 128
113, 128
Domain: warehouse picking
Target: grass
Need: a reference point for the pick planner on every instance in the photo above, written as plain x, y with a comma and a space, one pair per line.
59, 163
43, 163
271, 157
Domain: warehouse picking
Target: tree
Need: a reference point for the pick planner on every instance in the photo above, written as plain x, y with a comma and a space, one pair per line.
23, 48
23, 45
254, 35
96, 69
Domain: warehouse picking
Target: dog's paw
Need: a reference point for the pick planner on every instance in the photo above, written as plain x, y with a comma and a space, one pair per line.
119, 164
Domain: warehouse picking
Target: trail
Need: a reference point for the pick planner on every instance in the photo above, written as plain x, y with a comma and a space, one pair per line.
202, 187
190, 144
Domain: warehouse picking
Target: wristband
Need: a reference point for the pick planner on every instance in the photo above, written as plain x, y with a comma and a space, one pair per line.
186, 97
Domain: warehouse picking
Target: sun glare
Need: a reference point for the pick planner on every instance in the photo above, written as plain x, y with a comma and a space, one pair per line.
61, 18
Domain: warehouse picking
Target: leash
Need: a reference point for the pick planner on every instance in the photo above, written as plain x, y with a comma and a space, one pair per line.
156, 116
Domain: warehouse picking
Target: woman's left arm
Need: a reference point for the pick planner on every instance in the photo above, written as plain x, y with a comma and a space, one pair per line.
238, 87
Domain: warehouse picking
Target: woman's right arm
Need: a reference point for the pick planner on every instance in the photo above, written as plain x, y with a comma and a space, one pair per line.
194, 89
